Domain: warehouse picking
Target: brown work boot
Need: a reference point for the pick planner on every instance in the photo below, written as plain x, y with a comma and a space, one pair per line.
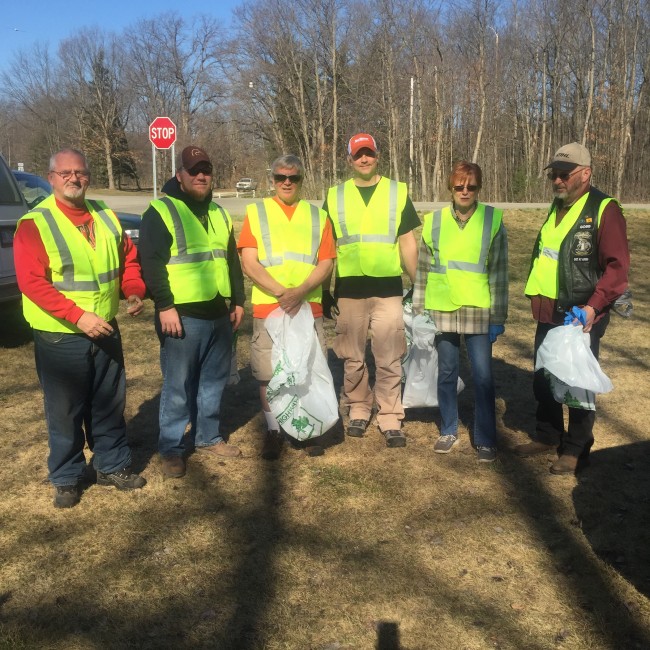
272, 447
223, 449
173, 466
533, 448
564, 465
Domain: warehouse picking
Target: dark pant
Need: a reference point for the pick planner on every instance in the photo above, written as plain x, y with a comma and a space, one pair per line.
578, 439
84, 390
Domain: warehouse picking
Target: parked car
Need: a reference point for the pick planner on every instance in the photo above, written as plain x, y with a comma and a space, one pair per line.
246, 185
12, 207
35, 189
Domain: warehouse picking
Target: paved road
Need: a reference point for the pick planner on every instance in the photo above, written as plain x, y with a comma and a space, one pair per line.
138, 202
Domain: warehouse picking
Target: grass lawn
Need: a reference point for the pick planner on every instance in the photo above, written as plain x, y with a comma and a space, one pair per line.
365, 547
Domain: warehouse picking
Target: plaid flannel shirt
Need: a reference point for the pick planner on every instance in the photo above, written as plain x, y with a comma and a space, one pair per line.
469, 320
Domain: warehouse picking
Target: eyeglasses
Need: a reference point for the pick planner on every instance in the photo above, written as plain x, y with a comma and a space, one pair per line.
470, 188
563, 176
67, 174
293, 178
364, 152
206, 171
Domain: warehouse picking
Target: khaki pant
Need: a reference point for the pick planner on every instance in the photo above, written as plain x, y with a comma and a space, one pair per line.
383, 318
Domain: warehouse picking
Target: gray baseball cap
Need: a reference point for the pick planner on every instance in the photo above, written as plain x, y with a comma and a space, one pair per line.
570, 156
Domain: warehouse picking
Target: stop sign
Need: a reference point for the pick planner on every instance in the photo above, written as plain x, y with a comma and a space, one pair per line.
162, 133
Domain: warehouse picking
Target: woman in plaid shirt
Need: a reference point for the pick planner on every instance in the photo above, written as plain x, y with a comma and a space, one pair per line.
462, 280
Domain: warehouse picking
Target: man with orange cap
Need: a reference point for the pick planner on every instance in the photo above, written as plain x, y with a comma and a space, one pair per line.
373, 219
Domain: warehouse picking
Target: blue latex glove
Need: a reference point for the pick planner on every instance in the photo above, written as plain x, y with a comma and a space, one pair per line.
576, 314
494, 331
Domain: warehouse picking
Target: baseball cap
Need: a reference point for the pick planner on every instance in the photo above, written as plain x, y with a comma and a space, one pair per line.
361, 141
192, 156
570, 156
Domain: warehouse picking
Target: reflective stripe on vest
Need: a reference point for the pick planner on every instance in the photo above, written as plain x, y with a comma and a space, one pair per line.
182, 256
197, 268
90, 278
457, 265
544, 275
371, 238
454, 283
274, 260
68, 283
286, 248
367, 235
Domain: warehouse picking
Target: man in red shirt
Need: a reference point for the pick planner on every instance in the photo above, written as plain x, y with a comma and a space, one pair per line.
578, 270
273, 231
71, 260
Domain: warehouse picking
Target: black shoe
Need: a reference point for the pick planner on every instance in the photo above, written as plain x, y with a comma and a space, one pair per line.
394, 438
66, 496
123, 479
356, 428
314, 450
272, 447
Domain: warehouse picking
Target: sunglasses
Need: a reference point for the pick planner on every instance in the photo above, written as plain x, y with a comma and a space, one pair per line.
364, 152
470, 188
293, 178
563, 176
195, 171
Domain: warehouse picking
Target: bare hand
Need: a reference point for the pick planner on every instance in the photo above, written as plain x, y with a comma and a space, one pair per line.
236, 316
170, 322
290, 300
591, 315
134, 305
93, 326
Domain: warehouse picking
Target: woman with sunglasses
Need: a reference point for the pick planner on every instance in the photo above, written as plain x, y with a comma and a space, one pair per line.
462, 280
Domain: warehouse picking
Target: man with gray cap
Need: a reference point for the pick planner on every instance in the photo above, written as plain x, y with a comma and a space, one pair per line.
579, 268
191, 267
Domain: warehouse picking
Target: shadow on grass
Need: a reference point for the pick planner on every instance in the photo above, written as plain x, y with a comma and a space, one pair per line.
230, 606
612, 502
14, 329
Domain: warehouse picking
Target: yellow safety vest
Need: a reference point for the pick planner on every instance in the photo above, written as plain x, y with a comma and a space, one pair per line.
286, 248
88, 276
366, 235
543, 279
197, 267
459, 265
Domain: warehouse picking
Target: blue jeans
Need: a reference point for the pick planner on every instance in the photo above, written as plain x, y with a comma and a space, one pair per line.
479, 350
84, 389
195, 371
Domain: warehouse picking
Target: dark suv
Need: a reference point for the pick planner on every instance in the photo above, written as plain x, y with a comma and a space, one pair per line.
12, 207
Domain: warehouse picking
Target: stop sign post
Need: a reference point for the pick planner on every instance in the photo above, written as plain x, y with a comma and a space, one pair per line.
162, 133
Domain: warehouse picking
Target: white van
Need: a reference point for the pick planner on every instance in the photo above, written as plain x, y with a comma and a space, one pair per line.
12, 207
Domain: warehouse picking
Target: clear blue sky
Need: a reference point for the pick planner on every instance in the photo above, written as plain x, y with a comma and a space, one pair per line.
23, 23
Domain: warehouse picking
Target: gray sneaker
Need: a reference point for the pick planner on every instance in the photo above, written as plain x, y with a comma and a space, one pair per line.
445, 443
486, 454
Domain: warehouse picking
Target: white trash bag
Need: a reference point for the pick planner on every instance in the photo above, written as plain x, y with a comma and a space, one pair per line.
565, 353
301, 392
577, 398
420, 364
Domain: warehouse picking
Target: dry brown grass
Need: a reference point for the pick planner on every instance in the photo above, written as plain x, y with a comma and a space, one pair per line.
326, 553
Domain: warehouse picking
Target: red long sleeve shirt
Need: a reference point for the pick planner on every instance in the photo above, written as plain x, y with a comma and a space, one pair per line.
33, 265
